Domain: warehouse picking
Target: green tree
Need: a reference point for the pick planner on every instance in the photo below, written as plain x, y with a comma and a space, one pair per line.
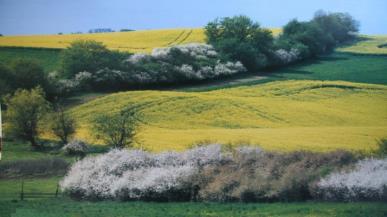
27, 74
240, 39
341, 26
26, 109
308, 34
382, 148
90, 56
6, 80
117, 130
62, 124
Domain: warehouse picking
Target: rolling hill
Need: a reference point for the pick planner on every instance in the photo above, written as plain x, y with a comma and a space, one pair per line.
369, 44
283, 115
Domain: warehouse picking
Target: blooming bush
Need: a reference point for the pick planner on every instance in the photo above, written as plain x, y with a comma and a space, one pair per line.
286, 57
176, 64
135, 174
209, 173
367, 181
183, 62
76, 147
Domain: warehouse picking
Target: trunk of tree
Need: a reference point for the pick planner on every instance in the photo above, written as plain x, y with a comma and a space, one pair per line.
33, 142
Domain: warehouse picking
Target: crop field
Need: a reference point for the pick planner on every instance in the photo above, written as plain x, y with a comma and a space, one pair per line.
68, 208
284, 115
136, 41
376, 44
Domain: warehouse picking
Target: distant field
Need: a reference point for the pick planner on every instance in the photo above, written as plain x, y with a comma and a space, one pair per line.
339, 66
49, 59
368, 45
288, 115
68, 208
136, 41
145, 41
335, 67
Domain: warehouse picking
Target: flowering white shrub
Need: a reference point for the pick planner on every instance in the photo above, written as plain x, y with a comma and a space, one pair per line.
228, 68
368, 181
190, 62
83, 78
76, 147
136, 58
287, 57
212, 173
174, 64
135, 174
195, 50
67, 86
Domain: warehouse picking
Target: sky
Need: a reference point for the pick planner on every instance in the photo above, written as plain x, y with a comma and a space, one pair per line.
24, 17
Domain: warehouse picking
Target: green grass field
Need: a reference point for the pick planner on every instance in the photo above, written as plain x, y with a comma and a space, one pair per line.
49, 59
67, 208
338, 66
10, 188
18, 150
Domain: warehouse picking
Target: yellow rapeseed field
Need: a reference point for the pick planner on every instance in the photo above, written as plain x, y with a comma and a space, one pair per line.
135, 41
283, 115
144, 41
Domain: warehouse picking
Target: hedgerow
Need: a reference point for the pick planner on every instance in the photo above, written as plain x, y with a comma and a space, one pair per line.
367, 181
172, 65
135, 174
213, 173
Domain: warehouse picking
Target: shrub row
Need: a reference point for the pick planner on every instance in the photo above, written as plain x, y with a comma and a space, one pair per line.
172, 65
367, 181
211, 173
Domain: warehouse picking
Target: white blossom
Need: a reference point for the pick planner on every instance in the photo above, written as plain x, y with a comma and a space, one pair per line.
287, 56
368, 180
75, 147
133, 174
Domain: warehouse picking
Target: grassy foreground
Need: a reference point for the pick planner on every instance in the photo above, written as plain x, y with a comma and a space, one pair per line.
67, 208
10, 188
284, 115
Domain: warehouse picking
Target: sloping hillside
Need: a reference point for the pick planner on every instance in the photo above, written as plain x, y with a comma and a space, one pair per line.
287, 115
